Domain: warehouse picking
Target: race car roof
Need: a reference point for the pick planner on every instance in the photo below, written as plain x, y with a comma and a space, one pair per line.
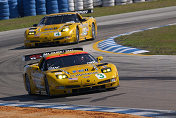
68, 53
51, 53
62, 13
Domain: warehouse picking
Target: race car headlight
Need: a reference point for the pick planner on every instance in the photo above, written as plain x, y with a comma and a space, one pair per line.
31, 33
106, 70
62, 76
65, 29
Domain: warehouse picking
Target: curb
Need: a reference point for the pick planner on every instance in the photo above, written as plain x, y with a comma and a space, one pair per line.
110, 46
121, 110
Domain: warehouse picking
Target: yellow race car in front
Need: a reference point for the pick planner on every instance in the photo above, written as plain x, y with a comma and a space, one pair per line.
61, 28
68, 71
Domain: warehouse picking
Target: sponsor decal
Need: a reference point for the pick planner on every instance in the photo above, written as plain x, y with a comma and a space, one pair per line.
72, 81
51, 28
57, 34
86, 77
76, 71
58, 73
84, 74
73, 78
82, 70
100, 76
33, 57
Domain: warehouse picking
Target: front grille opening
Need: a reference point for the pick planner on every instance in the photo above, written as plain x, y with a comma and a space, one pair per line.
72, 86
105, 81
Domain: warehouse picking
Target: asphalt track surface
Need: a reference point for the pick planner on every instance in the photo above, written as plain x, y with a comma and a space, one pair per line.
145, 81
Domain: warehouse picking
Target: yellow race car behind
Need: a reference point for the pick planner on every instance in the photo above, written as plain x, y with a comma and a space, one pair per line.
68, 71
61, 28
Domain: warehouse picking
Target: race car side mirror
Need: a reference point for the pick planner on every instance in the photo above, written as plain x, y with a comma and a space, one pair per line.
100, 58
34, 25
83, 20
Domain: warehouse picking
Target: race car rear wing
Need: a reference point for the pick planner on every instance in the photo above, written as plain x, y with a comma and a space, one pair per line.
85, 11
40, 55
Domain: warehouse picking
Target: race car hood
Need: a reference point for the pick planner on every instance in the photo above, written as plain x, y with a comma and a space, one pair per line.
78, 69
52, 27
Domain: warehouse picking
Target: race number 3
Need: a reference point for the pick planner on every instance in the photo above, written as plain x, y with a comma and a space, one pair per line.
100, 76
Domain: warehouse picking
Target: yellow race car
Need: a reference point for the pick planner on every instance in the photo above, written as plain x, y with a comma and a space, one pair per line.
61, 28
67, 72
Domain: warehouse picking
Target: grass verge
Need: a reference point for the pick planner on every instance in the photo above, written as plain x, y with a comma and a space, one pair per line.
161, 41
24, 22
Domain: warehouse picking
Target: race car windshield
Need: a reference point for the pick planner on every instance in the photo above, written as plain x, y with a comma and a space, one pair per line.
67, 61
59, 19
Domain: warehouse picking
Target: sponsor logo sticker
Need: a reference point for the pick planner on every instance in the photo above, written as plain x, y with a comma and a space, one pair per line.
100, 76
57, 34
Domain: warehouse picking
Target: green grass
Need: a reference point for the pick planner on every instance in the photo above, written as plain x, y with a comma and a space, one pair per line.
24, 22
161, 41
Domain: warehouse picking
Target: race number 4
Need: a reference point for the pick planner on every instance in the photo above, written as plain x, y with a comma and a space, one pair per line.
100, 76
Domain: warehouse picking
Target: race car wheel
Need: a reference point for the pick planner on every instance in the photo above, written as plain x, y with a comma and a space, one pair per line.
47, 87
77, 36
93, 31
28, 85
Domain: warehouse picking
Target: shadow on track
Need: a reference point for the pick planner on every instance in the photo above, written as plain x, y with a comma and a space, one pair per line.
52, 45
147, 78
60, 98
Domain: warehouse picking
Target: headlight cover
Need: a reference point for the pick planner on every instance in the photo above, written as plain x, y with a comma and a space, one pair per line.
65, 29
63, 76
106, 70
31, 33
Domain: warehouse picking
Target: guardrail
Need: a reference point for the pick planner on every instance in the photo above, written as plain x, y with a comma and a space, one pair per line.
21, 8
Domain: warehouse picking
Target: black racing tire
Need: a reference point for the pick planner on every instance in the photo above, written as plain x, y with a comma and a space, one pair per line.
28, 84
47, 87
93, 32
77, 36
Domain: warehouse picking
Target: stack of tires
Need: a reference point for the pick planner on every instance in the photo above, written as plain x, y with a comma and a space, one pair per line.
108, 3
4, 8
97, 3
71, 5
135, 1
40, 7
120, 2
88, 4
20, 8
63, 5
13, 8
52, 6
129, 1
29, 8
78, 5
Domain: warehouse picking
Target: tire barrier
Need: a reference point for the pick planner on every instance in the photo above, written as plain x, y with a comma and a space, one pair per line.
40, 7
121, 2
71, 5
88, 4
108, 3
29, 8
20, 8
4, 10
129, 1
13, 8
52, 6
78, 5
97, 3
135, 1
63, 5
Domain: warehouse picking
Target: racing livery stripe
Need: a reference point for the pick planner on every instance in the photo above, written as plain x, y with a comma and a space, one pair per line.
109, 45
63, 55
122, 110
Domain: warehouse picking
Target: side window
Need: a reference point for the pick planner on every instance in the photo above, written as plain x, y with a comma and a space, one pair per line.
43, 65
78, 19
